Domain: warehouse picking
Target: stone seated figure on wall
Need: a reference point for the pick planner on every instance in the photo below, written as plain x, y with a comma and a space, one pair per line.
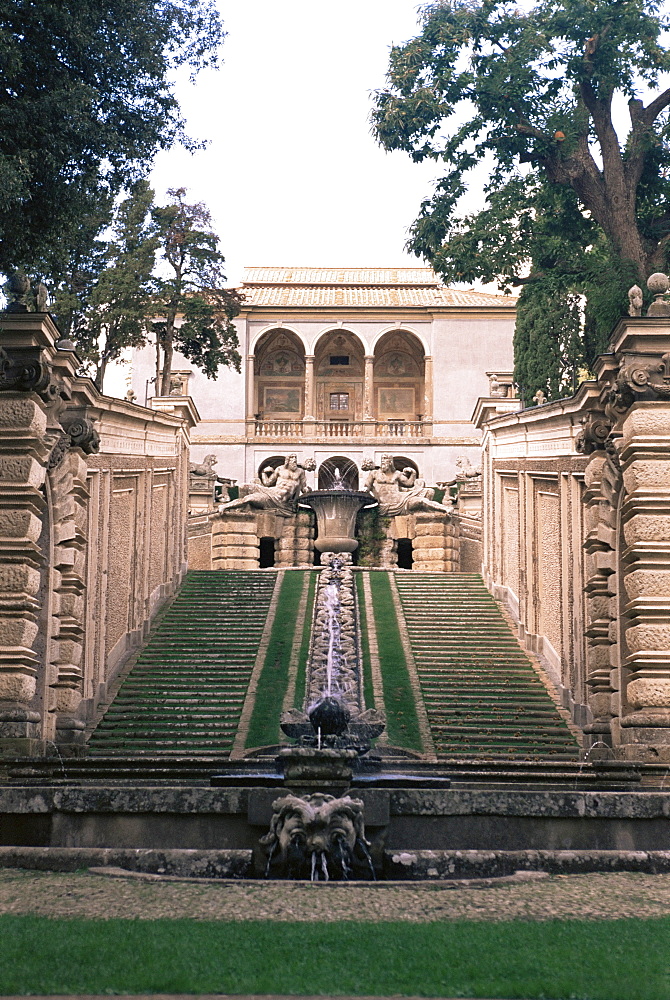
401, 492
278, 489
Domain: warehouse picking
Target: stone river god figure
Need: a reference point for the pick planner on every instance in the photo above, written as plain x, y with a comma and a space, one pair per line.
400, 492
278, 489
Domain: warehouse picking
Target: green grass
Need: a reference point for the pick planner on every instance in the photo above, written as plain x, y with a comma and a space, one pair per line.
580, 960
264, 725
402, 725
368, 688
304, 648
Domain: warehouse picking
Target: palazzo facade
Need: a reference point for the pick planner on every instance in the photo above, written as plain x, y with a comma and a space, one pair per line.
344, 365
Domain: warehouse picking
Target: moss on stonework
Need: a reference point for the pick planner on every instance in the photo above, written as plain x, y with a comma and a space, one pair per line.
372, 530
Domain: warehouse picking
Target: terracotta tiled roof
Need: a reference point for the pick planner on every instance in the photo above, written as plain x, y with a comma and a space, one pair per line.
353, 286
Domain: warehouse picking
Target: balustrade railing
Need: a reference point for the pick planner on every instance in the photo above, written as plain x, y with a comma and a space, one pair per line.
399, 428
339, 429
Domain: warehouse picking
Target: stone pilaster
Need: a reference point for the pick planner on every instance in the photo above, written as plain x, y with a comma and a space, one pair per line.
23, 455
309, 387
295, 540
645, 571
235, 541
435, 545
600, 588
628, 541
68, 495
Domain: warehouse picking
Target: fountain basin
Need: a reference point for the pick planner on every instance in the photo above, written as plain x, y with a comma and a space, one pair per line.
336, 512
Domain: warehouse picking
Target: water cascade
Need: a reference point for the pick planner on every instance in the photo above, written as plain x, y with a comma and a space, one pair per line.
318, 835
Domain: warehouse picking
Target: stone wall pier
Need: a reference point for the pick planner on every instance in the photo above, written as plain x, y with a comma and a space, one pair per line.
577, 539
92, 533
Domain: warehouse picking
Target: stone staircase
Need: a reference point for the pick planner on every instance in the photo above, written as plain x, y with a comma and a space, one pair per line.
184, 695
482, 695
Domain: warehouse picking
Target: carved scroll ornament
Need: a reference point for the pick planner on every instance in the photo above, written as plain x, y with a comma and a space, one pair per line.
596, 428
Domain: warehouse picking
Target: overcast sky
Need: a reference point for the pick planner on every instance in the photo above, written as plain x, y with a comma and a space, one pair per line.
292, 174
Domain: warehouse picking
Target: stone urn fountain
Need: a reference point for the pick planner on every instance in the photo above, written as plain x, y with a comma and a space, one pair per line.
336, 511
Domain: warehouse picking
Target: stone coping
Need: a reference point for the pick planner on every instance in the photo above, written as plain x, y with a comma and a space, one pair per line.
405, 868
637, 805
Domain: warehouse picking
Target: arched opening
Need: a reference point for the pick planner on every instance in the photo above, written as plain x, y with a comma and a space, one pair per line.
338, 367
279, 376
266, 557
404, 553
347, 469
270, 463
400, 463
398, 378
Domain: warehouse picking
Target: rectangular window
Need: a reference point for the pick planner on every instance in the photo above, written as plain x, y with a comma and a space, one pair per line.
339, 359
339, 400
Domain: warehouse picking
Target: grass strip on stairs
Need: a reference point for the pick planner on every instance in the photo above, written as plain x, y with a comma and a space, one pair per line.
301, 678
368, 688
264, 726
402, 724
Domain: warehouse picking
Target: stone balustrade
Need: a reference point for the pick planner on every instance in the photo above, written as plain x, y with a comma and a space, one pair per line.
305, 430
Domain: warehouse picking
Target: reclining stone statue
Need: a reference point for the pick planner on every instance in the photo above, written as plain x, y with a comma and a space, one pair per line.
401, 492
277, 490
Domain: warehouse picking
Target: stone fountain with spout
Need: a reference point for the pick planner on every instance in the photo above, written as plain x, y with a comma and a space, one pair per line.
317, 831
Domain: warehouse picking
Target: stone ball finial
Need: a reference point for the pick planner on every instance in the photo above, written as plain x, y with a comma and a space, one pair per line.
18, 287
658, 285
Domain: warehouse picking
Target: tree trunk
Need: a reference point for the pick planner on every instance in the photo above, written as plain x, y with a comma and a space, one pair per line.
99, 380
168, 351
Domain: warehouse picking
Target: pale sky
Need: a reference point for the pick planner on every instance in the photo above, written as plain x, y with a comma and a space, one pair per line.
292, 174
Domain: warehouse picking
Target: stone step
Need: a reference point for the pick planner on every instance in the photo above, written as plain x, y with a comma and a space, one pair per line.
481, 693
186, 691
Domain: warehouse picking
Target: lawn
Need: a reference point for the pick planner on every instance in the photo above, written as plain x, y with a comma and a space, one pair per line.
576, 960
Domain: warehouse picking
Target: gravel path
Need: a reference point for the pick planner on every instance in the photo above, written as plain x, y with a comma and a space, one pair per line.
88, 894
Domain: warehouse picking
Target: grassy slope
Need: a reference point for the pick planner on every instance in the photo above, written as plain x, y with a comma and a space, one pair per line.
597, 960
264, 725
368, 690
402, 725
304, 647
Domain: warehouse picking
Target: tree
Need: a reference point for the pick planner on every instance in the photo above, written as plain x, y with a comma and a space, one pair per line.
534, 94
85, 103
192, 289
121, 301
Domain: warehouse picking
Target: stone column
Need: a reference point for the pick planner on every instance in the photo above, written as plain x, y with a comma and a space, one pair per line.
368, 388
309, 388
428, 390
251, 396
645, 571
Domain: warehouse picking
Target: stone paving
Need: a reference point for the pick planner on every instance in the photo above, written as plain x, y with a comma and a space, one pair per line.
88, 894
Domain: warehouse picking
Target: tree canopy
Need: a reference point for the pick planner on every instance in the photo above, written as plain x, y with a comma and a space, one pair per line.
565, 104
191, 286
85, 103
